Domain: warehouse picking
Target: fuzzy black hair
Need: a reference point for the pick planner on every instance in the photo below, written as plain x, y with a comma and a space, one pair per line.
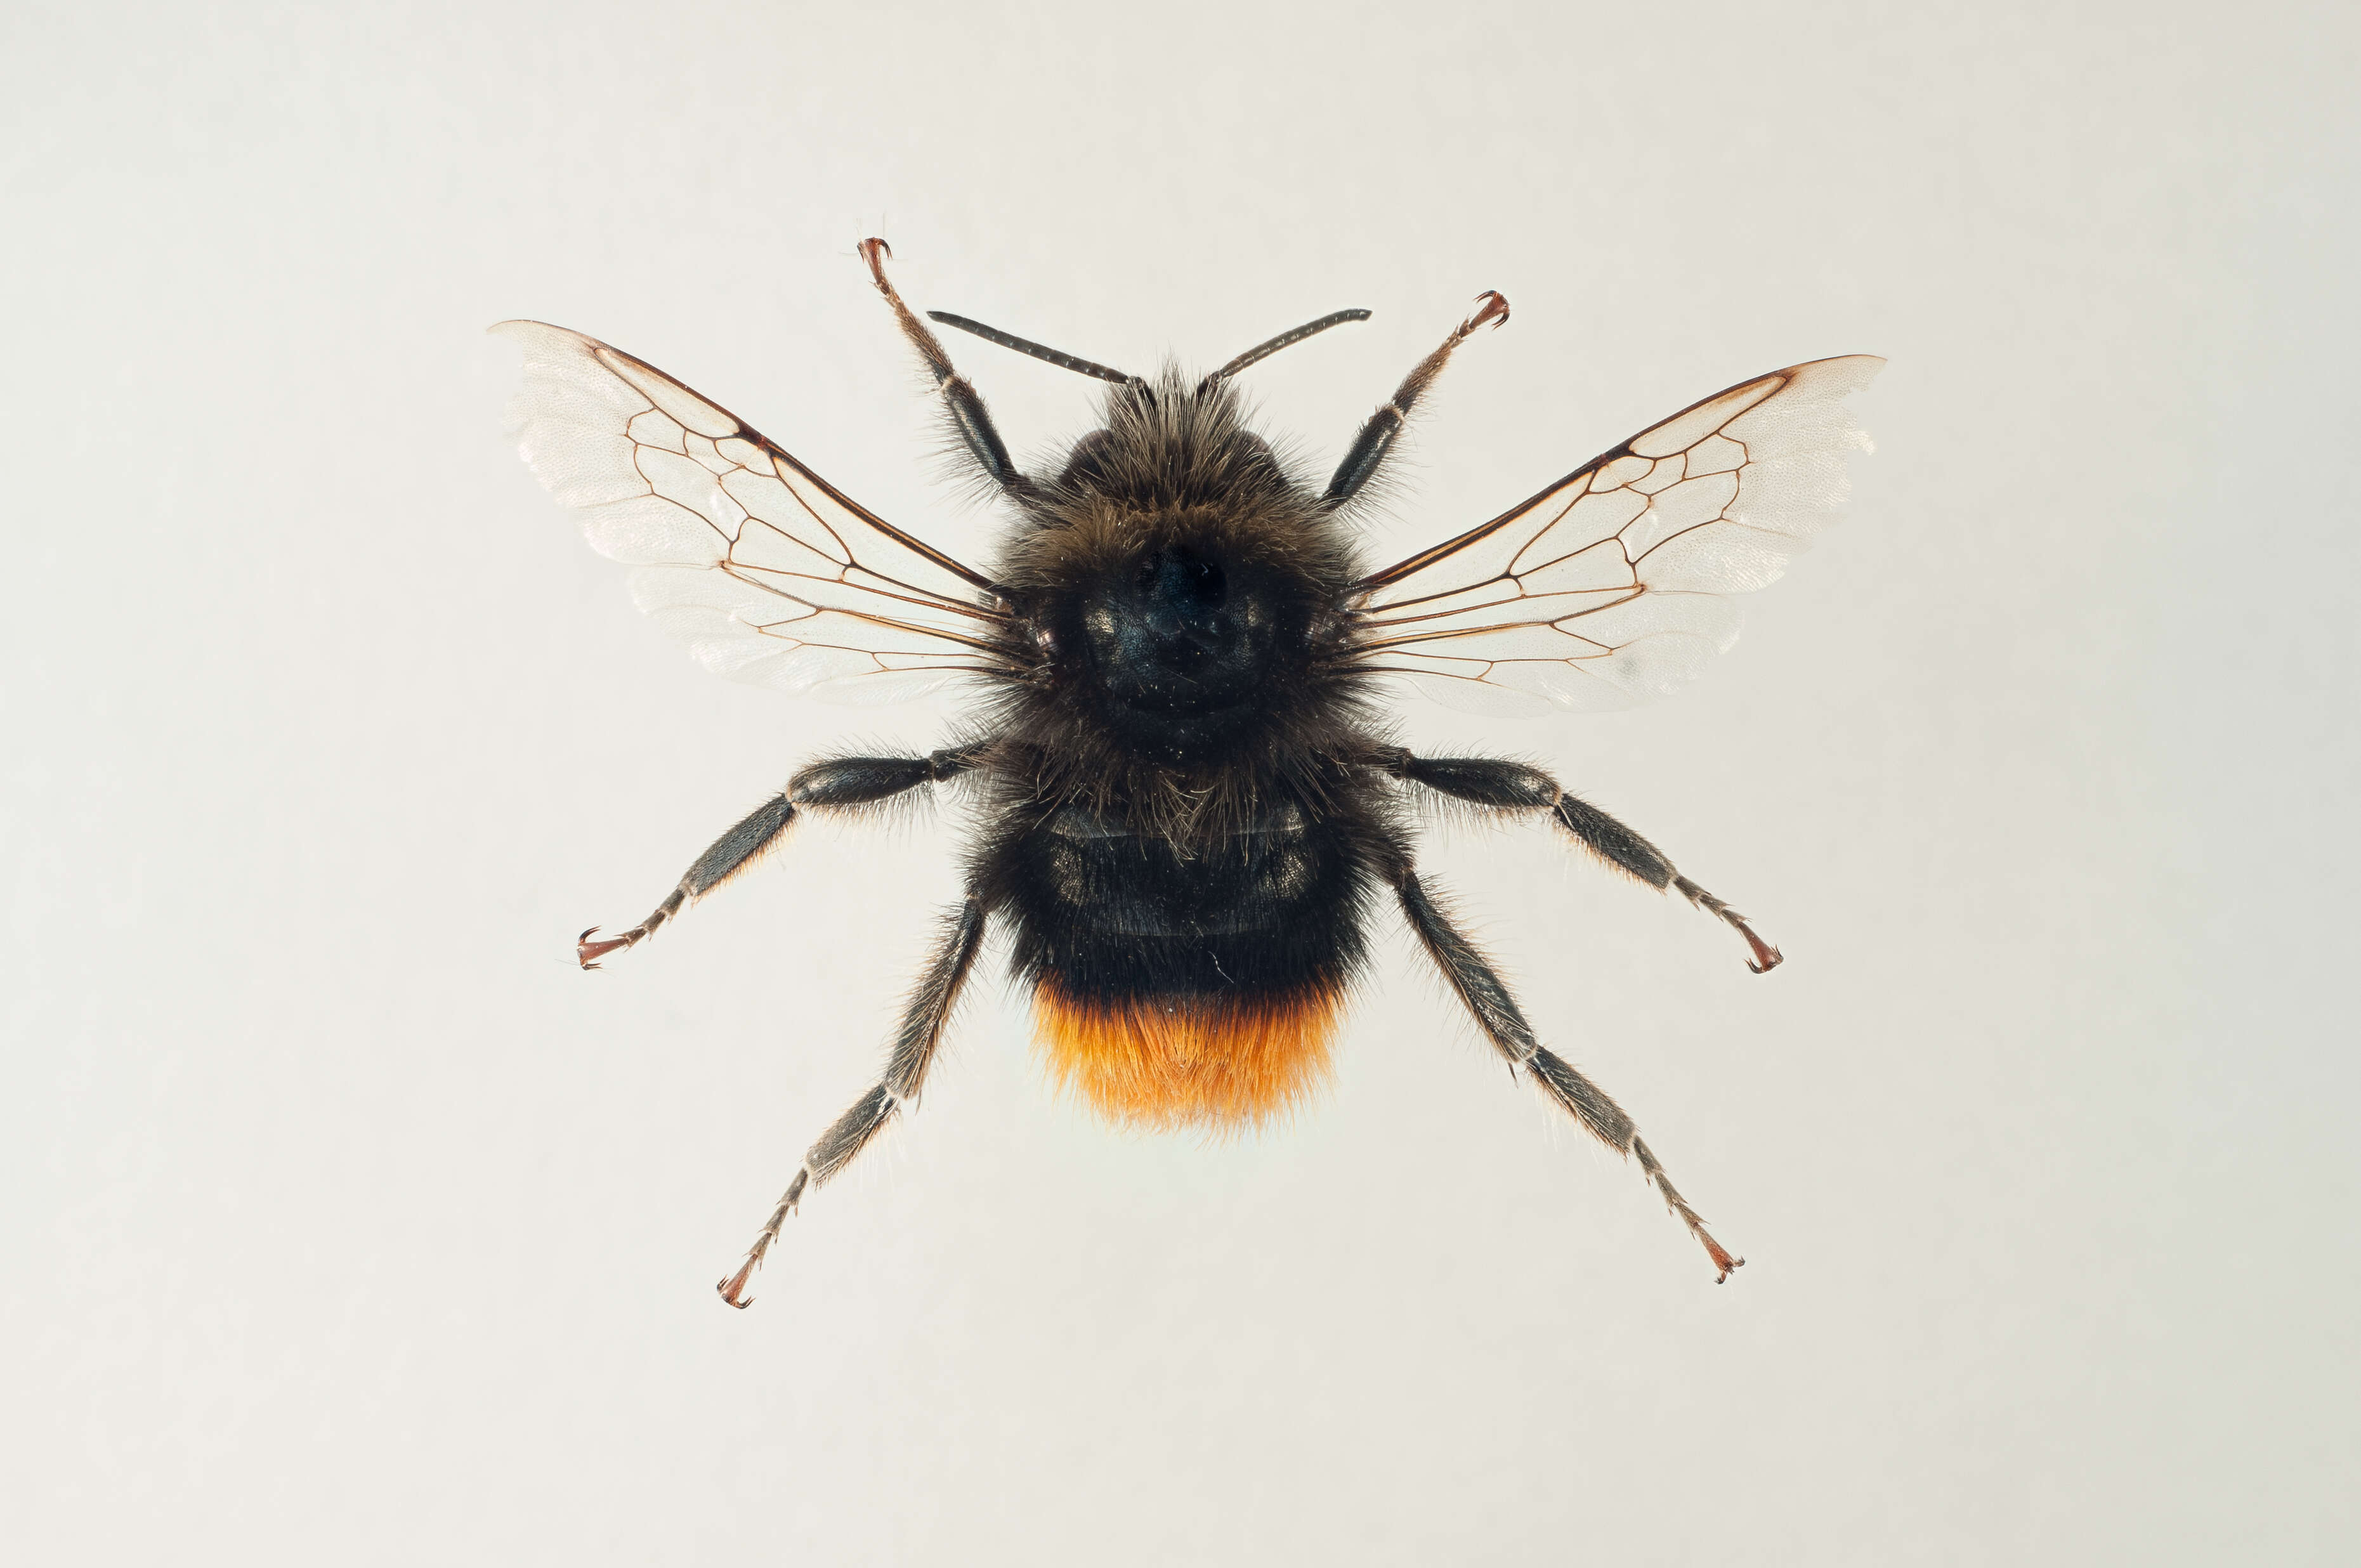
1175, 467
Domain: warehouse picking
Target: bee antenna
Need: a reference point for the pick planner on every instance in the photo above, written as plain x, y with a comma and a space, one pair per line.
1038, 351
1262, 351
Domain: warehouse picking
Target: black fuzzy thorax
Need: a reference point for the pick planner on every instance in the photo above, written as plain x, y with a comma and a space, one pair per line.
1176, 481
1176, 803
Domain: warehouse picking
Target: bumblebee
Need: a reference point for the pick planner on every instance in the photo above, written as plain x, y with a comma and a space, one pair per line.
1188, 808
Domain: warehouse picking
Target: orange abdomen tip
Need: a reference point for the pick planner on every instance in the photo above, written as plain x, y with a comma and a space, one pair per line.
1192, 1060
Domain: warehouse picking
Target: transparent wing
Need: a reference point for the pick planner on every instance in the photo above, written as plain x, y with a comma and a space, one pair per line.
766, 571
1610, 587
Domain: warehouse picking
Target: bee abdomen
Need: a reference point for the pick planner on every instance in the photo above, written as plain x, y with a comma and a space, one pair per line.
1174, 990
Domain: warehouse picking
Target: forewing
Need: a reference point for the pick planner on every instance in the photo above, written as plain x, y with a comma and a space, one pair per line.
1612, 586
767, 572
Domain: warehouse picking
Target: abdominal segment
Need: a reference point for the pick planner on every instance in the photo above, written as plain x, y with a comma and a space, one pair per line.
1198, 988
1180, 1060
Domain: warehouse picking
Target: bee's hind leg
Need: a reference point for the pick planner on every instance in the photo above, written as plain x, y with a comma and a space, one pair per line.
905, 1073
1486, 996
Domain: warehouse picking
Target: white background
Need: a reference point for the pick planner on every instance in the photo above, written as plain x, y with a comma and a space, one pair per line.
349, 1222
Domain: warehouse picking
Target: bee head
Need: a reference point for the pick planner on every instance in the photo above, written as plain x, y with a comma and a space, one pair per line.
1174, 569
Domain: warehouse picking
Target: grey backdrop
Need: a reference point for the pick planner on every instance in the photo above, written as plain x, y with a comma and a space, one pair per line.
351, 1222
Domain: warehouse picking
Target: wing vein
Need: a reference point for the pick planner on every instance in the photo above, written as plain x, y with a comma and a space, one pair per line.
875, 611
1496, 606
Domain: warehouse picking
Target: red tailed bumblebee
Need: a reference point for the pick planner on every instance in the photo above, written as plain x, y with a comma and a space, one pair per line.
1189, 806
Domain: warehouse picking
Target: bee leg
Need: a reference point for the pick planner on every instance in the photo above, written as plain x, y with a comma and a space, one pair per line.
725, 857
1486, 996
965, 407
848, 783
905, 1074
1494, 785
1368, 450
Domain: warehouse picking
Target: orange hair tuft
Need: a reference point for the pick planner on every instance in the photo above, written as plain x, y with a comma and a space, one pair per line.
1163, 1062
